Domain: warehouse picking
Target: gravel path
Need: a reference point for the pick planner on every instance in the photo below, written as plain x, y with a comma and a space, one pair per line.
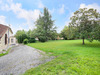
20, 59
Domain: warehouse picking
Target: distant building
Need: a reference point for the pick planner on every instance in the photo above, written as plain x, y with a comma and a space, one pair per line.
60, 38
6, 37
36, 38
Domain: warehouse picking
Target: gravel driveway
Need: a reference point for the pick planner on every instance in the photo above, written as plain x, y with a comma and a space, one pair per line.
20, 59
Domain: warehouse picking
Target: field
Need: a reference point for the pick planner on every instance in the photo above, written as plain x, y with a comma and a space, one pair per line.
73, 58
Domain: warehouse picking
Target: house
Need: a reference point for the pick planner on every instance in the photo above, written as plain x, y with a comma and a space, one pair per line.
6, 37
59, 38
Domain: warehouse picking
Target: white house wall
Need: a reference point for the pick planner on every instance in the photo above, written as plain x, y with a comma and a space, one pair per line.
14, 40
2, 42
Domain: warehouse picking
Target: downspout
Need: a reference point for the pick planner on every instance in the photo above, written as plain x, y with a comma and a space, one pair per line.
8, 36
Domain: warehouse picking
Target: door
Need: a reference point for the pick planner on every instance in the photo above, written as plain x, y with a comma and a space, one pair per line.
5, 39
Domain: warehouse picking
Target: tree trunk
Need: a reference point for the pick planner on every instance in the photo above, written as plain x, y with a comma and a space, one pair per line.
83, 41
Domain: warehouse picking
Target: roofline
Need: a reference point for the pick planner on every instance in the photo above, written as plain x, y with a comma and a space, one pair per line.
11, 30
6, 30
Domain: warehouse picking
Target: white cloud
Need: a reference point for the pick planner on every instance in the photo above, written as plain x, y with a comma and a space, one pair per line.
5, 7
29, 15
3, 20
94, 6
60, 28
0, 1
40, 4
68, 19
67, 23
51, 11
62, 9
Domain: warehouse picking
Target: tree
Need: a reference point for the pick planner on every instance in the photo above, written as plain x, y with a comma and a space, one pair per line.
45, 26
20, 36
31, 36
96, 31
64, 33
68, 32
29, 33
85, 20
54, 35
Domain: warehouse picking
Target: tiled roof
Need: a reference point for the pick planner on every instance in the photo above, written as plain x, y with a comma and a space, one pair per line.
3, 29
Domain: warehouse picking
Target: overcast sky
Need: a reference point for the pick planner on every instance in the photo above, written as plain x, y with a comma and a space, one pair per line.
22, 14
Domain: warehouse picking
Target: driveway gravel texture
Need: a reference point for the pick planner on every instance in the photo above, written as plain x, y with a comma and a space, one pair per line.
22, 58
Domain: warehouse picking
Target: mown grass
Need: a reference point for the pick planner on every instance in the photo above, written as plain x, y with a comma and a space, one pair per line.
2, 54
73, 58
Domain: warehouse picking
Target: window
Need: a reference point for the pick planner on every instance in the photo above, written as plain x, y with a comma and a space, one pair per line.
11, 40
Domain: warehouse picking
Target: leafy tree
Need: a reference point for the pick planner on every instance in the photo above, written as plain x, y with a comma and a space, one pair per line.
31, 36
20, 36
29, 33
45, 26
68, 32
64, 33
96, 31
85, 20
54, 35
59, 34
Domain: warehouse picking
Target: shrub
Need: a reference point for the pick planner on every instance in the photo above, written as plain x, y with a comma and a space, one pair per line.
42, 39
32, 40
25, 41
21, 35
21, 38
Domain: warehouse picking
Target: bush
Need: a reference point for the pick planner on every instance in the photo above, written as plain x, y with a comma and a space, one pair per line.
32, 40
25, 41
42, 39
21, 38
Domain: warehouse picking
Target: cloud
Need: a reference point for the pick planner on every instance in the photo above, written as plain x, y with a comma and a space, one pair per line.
5, 7
62, 9
3, 20
67, 22
40, 4
52, 11
26, 14
94, 6
29, 15
60, 28
0, 1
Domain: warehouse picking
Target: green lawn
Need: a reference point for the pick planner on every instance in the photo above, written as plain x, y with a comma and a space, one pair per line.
73, 58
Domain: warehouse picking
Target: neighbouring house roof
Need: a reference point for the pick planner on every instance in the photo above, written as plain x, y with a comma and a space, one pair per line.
3, 29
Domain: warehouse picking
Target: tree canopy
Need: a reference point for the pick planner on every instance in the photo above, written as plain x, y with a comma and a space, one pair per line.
45, 26
68, 33
20, 36
87, 22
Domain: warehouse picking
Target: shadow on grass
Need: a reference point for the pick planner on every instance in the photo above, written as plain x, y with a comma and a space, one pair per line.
91, 44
